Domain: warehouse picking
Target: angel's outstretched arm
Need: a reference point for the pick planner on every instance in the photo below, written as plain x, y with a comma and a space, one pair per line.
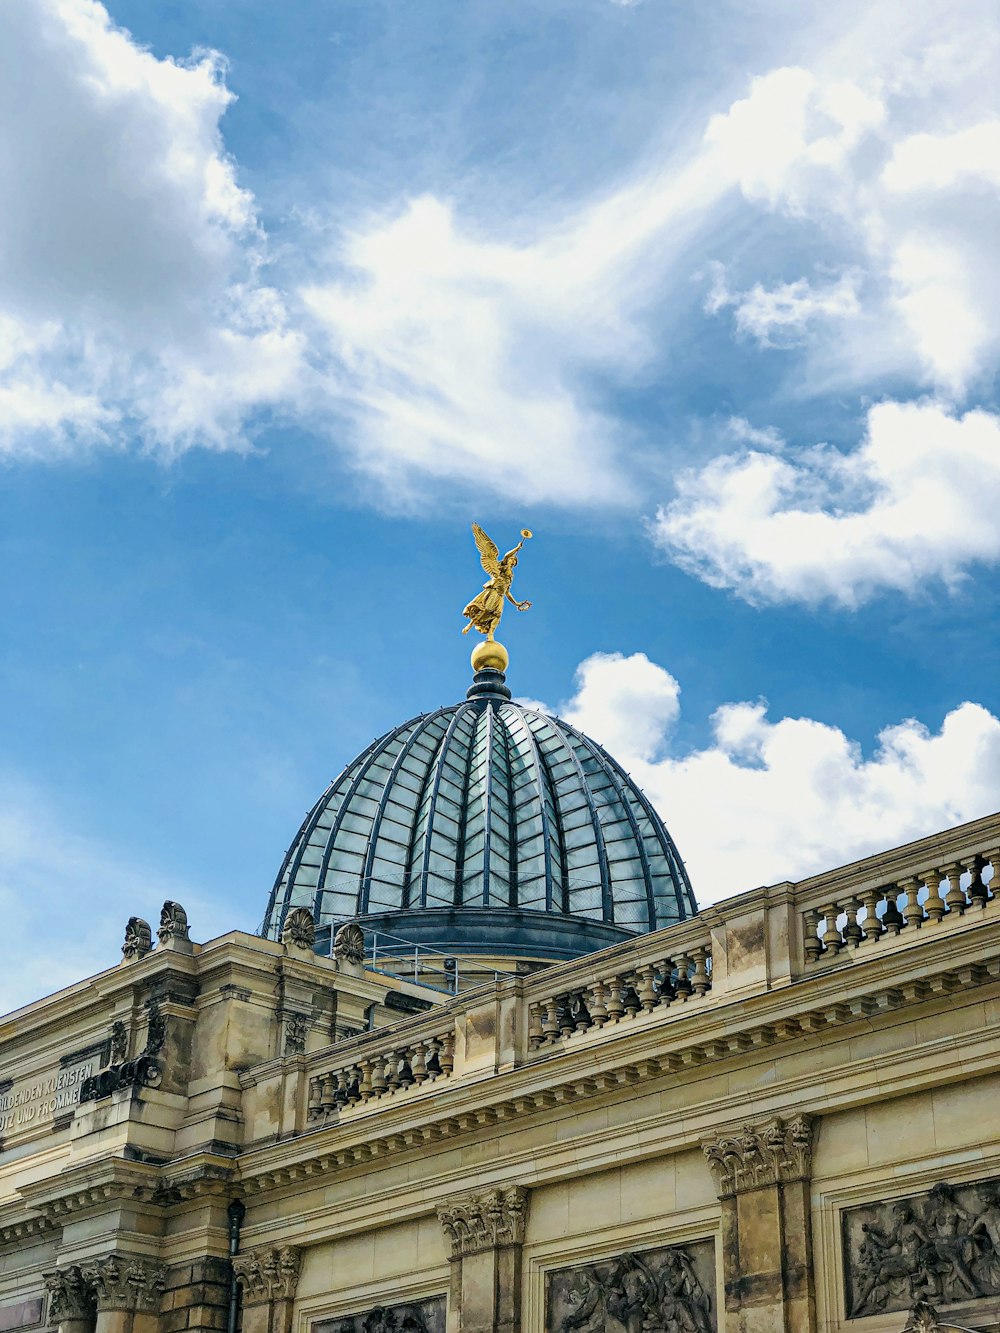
521, 606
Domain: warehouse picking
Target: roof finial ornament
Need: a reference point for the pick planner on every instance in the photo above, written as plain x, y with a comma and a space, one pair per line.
484, 611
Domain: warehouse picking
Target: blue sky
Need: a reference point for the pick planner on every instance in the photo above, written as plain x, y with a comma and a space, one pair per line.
705, 295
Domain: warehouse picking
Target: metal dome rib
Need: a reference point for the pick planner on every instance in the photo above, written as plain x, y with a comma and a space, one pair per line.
486, 824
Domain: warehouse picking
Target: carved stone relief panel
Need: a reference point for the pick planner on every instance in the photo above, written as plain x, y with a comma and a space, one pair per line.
942, 1247
667, 1290
426, 1316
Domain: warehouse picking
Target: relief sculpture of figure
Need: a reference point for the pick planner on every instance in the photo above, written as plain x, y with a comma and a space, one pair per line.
986, 1232
588, 1314
483, 612
890, 1259
950, 1248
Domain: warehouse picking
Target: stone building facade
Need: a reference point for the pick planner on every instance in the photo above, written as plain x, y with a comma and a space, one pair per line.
779, 1115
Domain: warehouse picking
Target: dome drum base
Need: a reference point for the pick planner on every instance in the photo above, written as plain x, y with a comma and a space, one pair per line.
471, 931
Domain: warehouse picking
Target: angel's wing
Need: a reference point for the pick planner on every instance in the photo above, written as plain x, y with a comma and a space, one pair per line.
489, 552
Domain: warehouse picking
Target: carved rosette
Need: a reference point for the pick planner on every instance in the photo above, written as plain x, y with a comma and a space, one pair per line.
126, 1282
775, 1153
485, 1221
70, 1295
268, 1274
299, 930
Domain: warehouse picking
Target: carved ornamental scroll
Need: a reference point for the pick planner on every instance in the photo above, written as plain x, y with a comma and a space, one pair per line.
666, 1290
942, 1248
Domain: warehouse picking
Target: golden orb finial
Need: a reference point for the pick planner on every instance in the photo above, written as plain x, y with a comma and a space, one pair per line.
490, 655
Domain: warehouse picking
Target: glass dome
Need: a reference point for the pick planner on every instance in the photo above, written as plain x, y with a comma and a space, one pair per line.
486, 827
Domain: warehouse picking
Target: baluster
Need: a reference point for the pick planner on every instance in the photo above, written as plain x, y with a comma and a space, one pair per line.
566, 1025
447, 1056
615, 1006
832, 942
892, 917
630, 998
811, 942
418, 1063
550, 1023
955, 900
668, 991
315, 1096
853, 934
683, 984
912, 911
340, 1092
934, 903
535, 1034
978, 891
646, 990
579, 1011
872, 926
379, 1080
598, 1009
701, 980
328, 1096
365, 1088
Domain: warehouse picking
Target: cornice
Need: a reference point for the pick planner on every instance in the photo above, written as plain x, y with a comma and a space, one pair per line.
92, 1185
627, 1055
25, 1229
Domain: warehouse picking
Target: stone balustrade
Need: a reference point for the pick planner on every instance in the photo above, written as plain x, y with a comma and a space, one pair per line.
757, 942
421, 1058
839, 917
620, 994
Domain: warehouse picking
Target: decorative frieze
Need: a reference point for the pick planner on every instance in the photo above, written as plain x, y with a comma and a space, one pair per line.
477, 1222
70, 1295
426, 1316
666, 1290
941, 1247
126, 1282
138, 940
268, 1274
775, 1153
299, 930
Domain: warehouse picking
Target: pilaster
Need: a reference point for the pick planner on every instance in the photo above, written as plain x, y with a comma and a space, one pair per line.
486, 1234
762, 1176
127, 1290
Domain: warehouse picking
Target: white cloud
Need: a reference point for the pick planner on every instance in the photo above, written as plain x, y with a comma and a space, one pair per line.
767, 801
460, 356
856, 161
779, 316
916, 502
129, 255
65, 897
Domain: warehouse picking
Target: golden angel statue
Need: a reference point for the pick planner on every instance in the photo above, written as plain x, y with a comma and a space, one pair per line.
484, 611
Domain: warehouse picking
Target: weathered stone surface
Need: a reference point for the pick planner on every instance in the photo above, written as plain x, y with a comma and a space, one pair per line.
268, 1274
665, 1290
942, 1247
